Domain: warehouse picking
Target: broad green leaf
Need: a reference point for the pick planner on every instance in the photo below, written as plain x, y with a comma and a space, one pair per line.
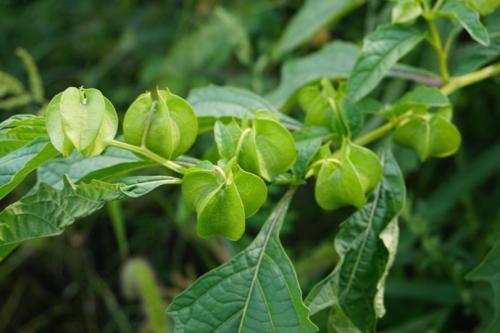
137, 186
489, 271
312, 16
381, 50
365, 245
334, 61
213, 102
267, 298
49, 211
390, 238
82, 113
422, 97
484, 7
468, 57
19, 130
16, 165
468, 18
112, 163
429, 97
406, 11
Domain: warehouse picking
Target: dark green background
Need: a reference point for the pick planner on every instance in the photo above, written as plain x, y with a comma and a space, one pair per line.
71, 283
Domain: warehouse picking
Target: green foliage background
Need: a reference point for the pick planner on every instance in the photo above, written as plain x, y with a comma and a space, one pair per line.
72, 282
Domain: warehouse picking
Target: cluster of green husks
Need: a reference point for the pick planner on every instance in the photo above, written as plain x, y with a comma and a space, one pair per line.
251, 151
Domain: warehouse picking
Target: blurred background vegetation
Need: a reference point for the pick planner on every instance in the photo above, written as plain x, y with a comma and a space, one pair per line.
84, 280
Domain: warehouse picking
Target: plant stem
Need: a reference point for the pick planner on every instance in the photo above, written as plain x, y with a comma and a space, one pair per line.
441, 53
149, 154
116, 216
375, 134
438, 5
470, 78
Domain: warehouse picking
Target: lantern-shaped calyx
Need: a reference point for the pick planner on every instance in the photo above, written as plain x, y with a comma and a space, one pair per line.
347, 176
165, 124
267, 148
222, 198
429, 135
81, 119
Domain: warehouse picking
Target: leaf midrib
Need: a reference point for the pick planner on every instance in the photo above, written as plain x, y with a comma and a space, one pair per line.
367, 231
259, 261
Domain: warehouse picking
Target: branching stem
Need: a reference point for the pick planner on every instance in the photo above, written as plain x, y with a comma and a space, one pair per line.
470, 78
149, 154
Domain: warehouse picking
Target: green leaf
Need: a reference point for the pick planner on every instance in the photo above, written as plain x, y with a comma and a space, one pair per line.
334, 61
422, 97
312, 16
49, 211
489, 271
468, 18
265, 294
381, 50
112, 163
16, 165
19, 130
137, 186
365, 245
214, 102
406, 11
484, 7
468, 57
